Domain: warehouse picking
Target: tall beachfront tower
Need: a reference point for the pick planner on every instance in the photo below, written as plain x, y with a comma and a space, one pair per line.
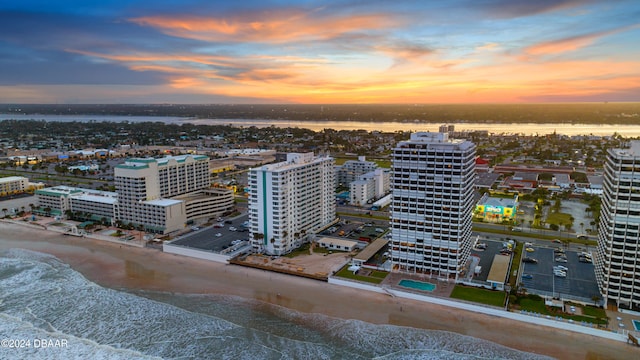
290, 200
144, 188
432, 181
617, 259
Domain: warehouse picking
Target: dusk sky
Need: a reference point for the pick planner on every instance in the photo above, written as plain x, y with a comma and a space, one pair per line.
197, 51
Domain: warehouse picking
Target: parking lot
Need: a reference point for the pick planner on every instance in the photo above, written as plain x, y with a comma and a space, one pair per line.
486, 257
580, 280
208, 239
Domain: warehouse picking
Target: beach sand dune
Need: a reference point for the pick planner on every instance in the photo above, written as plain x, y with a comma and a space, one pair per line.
121, 267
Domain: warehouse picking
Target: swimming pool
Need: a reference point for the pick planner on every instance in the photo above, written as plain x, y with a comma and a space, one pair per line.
636, 324
417, 285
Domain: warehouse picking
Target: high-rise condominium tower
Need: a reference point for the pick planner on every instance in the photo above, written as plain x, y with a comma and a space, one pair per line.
617, 260
432, 184
289, 200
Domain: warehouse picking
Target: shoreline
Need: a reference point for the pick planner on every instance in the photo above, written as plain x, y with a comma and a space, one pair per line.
121, 267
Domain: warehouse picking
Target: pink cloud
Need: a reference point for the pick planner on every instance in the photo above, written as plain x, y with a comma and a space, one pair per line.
269, 27
571, 43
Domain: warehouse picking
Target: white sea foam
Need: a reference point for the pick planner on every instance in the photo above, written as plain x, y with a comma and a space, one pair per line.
41, 297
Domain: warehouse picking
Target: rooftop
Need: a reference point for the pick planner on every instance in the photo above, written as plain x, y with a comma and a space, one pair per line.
163, 202
371, 250
12, 178
498, 272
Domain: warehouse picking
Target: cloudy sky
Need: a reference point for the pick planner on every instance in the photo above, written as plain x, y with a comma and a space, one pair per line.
352, 51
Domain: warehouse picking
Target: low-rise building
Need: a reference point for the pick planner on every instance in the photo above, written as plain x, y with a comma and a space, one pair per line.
13, 185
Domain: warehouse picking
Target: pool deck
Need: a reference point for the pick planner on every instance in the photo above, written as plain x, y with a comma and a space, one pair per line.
442, 289
622, 321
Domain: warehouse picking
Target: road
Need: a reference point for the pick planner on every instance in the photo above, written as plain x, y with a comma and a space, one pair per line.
363, 215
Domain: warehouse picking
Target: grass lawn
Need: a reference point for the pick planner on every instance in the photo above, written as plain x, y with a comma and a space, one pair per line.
594, 311
374, 278
482, 296
379, 274
385, 164
591, 314
321, 250
515, 264
302, 250
559, 218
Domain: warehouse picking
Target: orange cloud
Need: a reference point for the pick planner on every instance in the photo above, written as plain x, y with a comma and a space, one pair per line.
369, 78
268, 27
572, 43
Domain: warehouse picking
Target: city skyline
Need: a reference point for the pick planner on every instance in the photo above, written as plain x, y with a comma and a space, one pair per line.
319, 52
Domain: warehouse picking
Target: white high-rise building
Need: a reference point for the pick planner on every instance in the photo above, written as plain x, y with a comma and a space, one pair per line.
351, 170
617, 259
144, 188
370, 186
290, 200
432, 181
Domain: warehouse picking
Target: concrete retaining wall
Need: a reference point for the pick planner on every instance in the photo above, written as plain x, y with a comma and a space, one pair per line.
195, 253
485, 310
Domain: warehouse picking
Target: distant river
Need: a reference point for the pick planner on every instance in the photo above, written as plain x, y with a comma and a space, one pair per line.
496, 128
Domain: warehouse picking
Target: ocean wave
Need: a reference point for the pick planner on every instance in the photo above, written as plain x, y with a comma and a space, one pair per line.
41, 297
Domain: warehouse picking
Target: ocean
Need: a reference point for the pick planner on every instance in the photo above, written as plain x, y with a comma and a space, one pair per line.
50, 311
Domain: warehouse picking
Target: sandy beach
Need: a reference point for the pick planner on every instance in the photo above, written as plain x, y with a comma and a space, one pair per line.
121, 267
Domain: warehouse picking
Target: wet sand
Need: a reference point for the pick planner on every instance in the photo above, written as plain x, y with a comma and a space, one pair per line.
121, 267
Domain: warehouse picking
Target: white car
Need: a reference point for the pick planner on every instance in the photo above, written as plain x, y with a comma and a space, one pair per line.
218, 234
561, 259
560, 273
560, 267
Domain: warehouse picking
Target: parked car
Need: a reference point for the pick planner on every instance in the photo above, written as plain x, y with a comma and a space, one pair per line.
561, 268
530, 249
527, 276
556, 241
561, 259
561, 274
585, 259
530, 260
218, 234
232, 228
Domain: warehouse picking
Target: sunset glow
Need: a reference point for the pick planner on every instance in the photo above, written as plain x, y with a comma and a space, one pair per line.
320, 52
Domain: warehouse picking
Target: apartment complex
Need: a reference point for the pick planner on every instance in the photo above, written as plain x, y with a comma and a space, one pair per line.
145, 187
432, 181
87, 203
290, 200
369, 187
617, 260
155, 195
351, 170
13, 185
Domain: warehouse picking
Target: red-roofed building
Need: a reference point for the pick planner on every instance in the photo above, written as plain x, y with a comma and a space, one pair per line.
482, 165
